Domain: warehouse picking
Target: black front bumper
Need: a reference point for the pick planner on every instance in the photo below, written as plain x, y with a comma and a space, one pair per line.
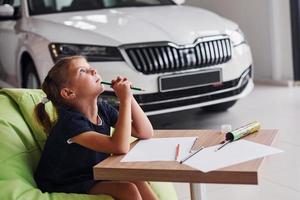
165, 100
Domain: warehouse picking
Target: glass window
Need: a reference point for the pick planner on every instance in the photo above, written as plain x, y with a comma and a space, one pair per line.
17, 11
17, 3
14, 3
37, 7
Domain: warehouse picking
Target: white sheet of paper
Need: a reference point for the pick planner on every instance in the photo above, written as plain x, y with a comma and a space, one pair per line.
236, 152
159, 149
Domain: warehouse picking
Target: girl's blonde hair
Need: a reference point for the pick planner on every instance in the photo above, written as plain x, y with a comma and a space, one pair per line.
55, 80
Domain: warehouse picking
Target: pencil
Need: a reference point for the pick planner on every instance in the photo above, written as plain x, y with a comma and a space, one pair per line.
224, 144
133, 88
177, 152
193, 145
190, 155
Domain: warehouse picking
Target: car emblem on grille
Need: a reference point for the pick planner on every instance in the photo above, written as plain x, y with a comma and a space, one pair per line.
188, 54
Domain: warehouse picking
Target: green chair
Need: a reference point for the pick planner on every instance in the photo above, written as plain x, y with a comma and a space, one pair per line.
21, 143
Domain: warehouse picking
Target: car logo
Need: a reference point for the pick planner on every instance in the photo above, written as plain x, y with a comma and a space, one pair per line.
188, 55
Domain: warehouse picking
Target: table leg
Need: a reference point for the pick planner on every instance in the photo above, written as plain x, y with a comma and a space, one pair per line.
198, 191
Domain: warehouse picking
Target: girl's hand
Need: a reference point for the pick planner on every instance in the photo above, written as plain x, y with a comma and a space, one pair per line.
121, 86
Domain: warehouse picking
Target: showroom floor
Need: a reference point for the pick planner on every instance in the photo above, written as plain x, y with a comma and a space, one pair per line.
275, 108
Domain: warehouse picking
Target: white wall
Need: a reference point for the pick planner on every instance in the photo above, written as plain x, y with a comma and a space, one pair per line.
266, 25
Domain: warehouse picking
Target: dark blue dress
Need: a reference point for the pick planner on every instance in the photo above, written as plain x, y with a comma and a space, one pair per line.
68, 167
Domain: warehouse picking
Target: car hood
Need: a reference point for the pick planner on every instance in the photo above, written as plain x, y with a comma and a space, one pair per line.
177, 24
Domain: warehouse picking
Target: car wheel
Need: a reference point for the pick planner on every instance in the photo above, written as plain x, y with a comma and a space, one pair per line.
30, 77
219, 107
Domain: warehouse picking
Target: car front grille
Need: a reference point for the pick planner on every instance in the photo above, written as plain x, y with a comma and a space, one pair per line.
167, 57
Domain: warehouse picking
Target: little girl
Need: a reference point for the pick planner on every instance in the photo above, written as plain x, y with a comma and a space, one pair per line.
80, 138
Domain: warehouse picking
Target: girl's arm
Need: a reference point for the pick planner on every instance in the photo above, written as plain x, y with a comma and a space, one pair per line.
123, 127
141, 126
118, 143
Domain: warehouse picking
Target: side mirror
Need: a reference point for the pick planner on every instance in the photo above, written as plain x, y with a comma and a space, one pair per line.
6, 11
179, 2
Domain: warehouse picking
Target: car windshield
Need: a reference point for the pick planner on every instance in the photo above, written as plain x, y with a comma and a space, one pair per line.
37, 7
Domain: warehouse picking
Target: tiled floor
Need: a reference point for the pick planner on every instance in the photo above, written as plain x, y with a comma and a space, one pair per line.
275, 108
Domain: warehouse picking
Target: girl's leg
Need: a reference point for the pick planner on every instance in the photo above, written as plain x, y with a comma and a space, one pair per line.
117, 189
145, 190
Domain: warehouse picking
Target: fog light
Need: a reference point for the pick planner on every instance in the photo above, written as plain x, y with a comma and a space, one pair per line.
245, 79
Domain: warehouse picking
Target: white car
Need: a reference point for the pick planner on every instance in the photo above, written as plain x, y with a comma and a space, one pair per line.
183, 57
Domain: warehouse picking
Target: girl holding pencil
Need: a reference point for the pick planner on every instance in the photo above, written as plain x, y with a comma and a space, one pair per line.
80, 137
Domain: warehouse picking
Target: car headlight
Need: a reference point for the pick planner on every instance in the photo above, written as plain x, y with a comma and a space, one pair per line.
91, 52
236, 37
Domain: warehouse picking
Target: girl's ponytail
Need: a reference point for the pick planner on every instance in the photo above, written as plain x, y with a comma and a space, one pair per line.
42, 117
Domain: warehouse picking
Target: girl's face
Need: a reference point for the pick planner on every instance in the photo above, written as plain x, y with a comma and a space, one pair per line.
85, 81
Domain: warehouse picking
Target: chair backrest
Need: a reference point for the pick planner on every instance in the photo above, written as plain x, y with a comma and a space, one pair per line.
19, 151
25, 100
14, 131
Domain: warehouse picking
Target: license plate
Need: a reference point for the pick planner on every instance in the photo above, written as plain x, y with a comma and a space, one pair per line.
188, 80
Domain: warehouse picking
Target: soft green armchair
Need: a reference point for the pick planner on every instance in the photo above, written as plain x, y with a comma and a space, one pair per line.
21, 143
